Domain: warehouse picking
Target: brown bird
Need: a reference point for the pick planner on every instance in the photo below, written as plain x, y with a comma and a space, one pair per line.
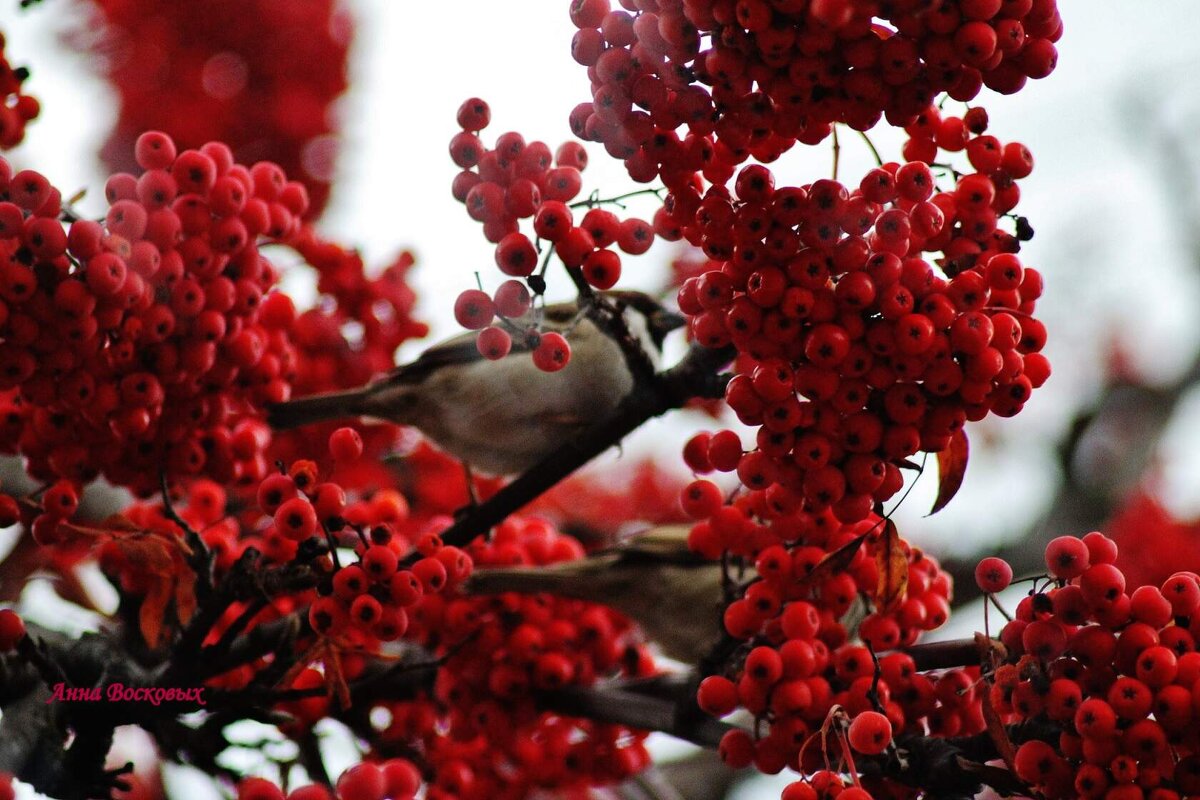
502, 416
675, 595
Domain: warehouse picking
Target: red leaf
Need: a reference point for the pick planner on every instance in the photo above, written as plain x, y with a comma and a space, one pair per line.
891, 560
154, 608
836, 562
952, 466
995, 726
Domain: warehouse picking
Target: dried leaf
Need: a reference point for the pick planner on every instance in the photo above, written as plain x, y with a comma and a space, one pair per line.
952, 466
68, 586
154, 608
146, 552
892, 564
995, 726
838, 561
120, 522
185, 595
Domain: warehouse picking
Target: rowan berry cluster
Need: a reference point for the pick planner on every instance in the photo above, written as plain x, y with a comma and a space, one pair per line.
16, 108
394, 779
137, 343
347, 338
516, 180
753, 77
492, 740
862, 353
1108, 676
798, 659
260, 77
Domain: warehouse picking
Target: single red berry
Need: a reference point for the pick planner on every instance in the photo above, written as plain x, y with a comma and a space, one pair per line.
493, 343
379, 561
717, 695
512, 299
701, 498
474, 115
274, 490
993, 574
10, 511
254, 788
296, 519
1066, 557
12, 629
345, 445
61, 499
363, 781
402, 778
870, 732
473, 309
516, 255
552, 353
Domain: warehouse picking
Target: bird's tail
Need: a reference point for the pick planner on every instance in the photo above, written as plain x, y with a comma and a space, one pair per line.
318, 407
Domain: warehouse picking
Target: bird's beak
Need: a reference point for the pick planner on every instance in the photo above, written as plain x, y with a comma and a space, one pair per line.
666, 321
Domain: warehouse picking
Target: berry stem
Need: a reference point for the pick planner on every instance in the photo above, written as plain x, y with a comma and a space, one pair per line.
594, 201
837, 152
200, 560
871, 146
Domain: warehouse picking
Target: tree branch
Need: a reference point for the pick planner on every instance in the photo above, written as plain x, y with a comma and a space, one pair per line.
695, 376
634, 709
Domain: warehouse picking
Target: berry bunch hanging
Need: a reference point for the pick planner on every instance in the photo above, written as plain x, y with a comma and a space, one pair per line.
752, 78
258, 76
877, 319
517, 180
505, 746
136, 343
17, 109
1106, 672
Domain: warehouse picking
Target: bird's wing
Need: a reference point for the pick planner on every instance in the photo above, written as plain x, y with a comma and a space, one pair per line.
461, 349
663, 543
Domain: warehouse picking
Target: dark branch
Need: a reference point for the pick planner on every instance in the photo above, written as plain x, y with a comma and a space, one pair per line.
634, 709
695, 376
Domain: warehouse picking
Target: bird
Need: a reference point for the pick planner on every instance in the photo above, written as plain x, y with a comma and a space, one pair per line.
675, 595
502, 417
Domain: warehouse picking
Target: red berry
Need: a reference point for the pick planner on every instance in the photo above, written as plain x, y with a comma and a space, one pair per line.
993, 574
1066, 557
12, 629
717, 695
512, 299
870, 732
363, 781
473, 309
474, 115
493, 343
552, 353
701, 499
258, 789
345, 445
296, 519
516, 255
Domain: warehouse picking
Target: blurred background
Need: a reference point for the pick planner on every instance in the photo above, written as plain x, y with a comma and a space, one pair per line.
1114, 198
